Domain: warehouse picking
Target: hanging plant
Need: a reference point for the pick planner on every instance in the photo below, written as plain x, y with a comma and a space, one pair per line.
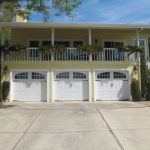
90, 49
52, 49
17, 49
133, 49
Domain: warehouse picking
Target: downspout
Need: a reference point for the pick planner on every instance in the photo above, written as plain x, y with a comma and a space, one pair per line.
1, 63
139, 59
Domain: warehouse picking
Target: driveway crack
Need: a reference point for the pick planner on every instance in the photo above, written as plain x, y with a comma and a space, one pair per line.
109, 128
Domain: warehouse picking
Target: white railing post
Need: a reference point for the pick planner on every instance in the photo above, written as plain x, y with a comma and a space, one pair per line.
72, 54
90, 56
52, 56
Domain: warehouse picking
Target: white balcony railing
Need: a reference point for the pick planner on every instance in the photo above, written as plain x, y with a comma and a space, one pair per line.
71, 54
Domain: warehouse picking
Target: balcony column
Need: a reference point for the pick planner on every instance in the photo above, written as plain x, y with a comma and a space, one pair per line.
53, 36
137, 38
90, 42
90, 37
53, 42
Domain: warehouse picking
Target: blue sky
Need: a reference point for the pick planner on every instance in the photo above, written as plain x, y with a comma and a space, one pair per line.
106, 11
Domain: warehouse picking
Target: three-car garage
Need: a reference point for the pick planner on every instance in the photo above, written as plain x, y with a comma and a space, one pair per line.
70, 85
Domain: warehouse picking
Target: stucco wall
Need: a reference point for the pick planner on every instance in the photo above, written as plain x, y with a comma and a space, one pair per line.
51, 67
23, 36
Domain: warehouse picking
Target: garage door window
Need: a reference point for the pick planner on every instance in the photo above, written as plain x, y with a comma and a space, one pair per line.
36, 75
104, 75
78, 75
119, 75
63, 75
23, 75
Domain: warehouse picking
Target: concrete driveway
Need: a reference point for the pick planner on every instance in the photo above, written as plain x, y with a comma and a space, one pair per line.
75, 126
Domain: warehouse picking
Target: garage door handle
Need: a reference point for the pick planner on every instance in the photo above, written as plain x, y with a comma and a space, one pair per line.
111, 84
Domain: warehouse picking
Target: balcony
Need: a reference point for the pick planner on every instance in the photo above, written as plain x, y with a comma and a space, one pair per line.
34, 55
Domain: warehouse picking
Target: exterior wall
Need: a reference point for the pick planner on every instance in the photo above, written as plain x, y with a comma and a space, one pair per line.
22, 36
53, 67
124, 35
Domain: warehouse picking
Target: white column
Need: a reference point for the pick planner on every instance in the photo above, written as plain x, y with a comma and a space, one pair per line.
53, 36
53, 42
90, 37
48, 86
137, 38
52, 85
90, 43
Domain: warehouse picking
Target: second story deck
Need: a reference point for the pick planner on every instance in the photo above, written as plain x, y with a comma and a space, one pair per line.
71, 55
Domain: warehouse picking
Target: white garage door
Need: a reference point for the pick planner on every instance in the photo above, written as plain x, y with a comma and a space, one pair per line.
112, 85
71, 85
29, 86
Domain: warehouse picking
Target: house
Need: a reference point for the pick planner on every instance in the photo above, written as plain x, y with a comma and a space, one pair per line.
74, 74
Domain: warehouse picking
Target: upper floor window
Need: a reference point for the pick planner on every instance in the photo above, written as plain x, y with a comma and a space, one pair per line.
141, 42
62, 43
45, 43
34, 44
77, 43
113, 44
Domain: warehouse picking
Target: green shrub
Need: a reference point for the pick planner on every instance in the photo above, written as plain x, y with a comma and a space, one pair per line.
148, 90
148, 86
135, 90
143, 75
5, 89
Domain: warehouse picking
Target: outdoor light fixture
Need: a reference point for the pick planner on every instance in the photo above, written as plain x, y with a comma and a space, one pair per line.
96, 41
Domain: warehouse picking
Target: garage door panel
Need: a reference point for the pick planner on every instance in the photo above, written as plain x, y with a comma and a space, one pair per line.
70, 85
111, 85
29, 86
